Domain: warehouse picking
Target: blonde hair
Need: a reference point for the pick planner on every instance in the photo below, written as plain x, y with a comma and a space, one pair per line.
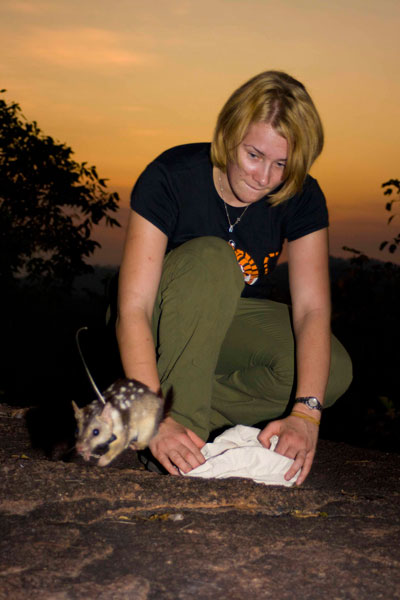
276, 98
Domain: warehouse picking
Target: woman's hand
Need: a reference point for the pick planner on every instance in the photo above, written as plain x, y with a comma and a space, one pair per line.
177, 447
297, 440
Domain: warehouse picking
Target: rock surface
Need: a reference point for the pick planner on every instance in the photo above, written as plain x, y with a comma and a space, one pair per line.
71, 530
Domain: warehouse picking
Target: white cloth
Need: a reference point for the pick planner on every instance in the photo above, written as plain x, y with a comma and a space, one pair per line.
238, 453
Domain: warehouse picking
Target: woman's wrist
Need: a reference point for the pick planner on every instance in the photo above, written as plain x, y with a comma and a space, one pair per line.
308, 406
315, 420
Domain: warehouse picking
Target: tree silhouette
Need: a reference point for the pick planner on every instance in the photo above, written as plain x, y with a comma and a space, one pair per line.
49, 204
391, 186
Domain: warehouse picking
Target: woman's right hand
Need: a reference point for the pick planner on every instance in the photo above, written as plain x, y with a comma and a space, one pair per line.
177, 447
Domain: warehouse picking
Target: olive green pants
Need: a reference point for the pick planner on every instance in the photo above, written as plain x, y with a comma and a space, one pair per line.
224, 359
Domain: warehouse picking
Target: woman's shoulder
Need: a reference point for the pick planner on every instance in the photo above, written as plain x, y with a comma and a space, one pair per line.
311, 184
184, 156
305, 212
177, 170
310, 191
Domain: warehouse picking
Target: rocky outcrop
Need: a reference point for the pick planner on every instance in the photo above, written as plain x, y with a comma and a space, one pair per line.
71, 530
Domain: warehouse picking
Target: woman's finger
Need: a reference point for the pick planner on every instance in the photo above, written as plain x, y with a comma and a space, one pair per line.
306, 468
195, 438
299, 461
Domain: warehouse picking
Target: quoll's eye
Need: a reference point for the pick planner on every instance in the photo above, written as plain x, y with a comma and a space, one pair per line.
95, 432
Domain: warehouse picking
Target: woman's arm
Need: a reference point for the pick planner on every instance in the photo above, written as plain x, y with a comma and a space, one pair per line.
311, 306
139, 278
310, 293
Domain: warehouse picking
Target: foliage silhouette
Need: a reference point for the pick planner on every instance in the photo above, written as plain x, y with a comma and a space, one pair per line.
365, 295
391, 185
365, 318
49, 204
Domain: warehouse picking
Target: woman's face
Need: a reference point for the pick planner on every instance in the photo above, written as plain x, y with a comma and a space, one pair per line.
261, 161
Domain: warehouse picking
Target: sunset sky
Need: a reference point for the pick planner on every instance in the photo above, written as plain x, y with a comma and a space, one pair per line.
121, 81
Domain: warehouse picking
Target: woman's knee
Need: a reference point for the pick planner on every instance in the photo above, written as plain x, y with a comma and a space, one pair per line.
280, 375
275, 382
207, 259
341, 373
209, 249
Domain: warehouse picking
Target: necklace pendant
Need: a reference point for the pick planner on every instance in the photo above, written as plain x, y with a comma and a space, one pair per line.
230, 229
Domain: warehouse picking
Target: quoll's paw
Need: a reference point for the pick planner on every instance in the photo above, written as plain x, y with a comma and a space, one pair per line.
104, 460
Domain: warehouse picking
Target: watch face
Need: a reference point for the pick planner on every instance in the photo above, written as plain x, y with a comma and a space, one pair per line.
312, 402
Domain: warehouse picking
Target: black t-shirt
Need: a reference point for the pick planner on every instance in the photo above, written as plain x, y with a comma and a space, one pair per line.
176, 193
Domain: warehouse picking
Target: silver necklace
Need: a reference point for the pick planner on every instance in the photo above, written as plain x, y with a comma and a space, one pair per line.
240, 217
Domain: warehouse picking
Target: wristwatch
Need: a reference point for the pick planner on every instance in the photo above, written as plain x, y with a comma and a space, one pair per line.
310, 401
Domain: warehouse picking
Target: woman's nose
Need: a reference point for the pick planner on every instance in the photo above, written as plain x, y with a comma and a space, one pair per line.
263, 174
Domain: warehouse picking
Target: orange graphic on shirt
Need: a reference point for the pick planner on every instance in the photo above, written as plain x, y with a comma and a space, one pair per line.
246, 263
266, 261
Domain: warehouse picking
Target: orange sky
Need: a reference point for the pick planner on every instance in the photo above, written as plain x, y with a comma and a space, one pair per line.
121, 81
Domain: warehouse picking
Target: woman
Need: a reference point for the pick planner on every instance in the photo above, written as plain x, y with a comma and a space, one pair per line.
206, 229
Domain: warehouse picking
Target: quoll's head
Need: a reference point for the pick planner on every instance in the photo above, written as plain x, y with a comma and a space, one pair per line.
94, 428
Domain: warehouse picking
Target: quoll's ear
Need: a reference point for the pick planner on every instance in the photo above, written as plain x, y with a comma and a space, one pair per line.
106, 413
77, 411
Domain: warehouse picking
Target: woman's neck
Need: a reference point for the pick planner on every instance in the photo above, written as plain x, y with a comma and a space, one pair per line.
223, 189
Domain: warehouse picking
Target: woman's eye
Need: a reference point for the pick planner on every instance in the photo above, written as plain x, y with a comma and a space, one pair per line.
95, 432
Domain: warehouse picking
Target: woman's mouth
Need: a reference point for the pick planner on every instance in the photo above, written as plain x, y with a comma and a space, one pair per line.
257, 190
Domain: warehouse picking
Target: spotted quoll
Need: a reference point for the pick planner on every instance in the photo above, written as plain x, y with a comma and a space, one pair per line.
129, 418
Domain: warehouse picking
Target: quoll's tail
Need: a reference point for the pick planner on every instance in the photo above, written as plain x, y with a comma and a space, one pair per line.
96, 389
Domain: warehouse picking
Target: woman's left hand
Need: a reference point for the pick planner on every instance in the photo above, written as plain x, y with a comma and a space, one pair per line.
297, 440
